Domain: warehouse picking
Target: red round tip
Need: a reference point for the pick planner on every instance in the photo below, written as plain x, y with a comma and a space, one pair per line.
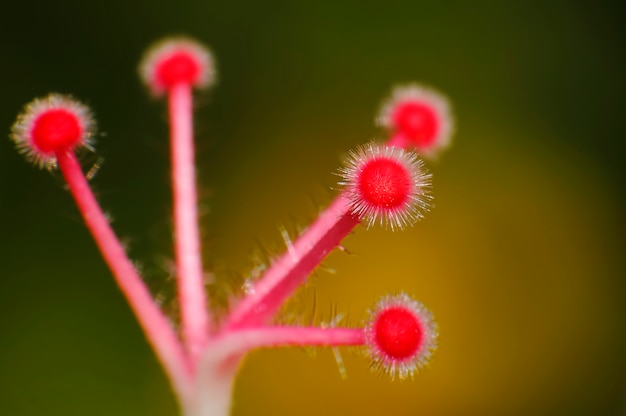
50, 125
417, 121
177, 61
179, 67
401, 335
384, 183
418, 117
387, 185
398, 333
55, 130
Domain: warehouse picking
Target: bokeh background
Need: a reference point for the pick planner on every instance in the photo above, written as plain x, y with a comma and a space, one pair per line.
522, 261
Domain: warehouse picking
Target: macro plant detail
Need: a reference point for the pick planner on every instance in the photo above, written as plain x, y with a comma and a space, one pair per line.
383, 184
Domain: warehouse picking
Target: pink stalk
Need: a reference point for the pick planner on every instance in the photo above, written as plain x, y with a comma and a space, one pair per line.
194, 313
244, 340
160, 334
293, 267
223, 355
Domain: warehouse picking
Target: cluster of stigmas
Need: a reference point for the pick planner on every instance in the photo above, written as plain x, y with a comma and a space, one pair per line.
381, 183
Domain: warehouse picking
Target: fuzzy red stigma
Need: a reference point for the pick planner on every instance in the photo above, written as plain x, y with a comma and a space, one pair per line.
177, 61
55, 130
50, 125
401, 336
386, 184
418, 122
178, 68
398, 333
417, 117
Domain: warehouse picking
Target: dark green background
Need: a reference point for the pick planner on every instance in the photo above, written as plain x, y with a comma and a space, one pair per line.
522, 260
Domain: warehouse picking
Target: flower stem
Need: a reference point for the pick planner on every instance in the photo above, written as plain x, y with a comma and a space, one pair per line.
154, 324
194, 313
222, 357
216, 382
244, 340
293, 267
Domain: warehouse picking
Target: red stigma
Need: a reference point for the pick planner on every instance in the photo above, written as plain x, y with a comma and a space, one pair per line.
179, 67
418, 121
398, 333
55, 130
384, 183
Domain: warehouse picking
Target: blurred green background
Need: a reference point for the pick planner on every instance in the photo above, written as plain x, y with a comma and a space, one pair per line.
522, 261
